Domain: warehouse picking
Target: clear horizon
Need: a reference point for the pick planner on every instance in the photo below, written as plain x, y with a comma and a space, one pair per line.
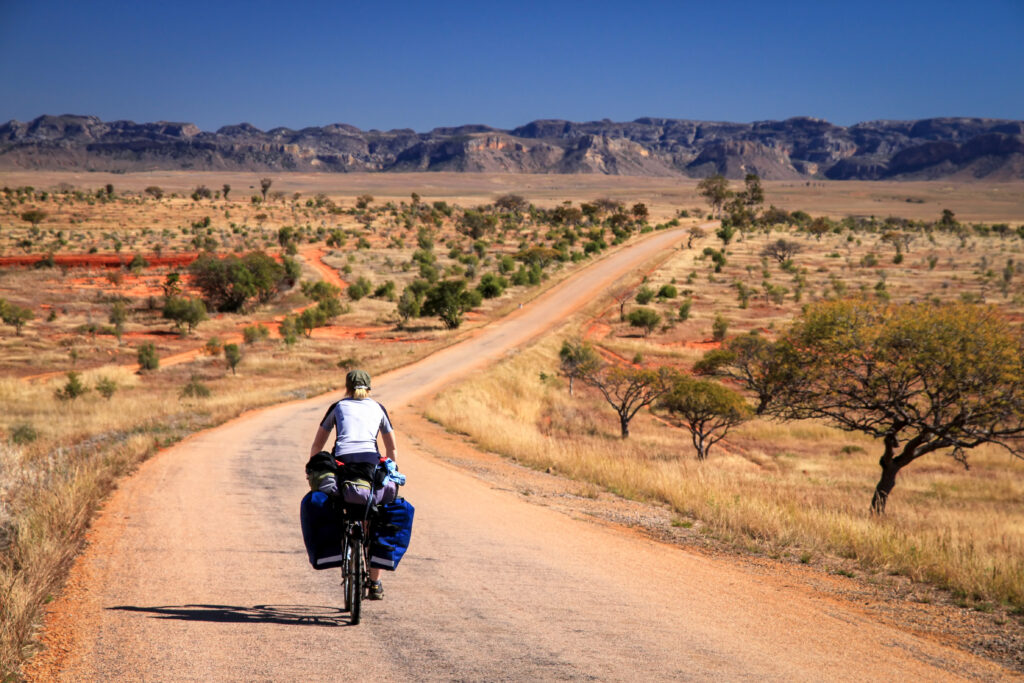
408, 65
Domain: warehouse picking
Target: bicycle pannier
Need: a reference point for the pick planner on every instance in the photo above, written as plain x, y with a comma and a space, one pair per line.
321, 531
392, 530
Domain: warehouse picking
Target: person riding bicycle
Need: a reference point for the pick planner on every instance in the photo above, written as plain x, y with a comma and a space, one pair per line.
357, 420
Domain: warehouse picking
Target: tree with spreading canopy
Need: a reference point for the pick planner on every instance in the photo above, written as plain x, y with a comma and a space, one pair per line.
920, 377
15, 315
33, 216
706, 409
762, 366
186, 313
449, 300
782, 250
628, 389
715, 190
229, 283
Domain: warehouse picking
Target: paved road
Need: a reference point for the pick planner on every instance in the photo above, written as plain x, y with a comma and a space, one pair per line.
196, 571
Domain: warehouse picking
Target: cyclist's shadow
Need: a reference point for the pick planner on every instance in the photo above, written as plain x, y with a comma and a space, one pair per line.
293, 615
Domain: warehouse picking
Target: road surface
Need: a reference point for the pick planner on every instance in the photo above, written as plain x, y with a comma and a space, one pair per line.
196, 571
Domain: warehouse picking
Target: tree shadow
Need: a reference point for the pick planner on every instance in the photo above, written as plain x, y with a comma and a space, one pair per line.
291, 615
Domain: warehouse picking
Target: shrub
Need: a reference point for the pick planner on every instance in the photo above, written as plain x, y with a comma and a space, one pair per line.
213, 346
385, 291
255, 333
360, 288
23, 433
645, 318
684, 310
719, 327
668, 292
644, 295
194, 389
233, 355
106, 387
320, 290
147, 357
492, 285
73, 389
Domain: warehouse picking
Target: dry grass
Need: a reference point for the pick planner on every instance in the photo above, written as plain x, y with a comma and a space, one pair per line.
800, 489
51, 486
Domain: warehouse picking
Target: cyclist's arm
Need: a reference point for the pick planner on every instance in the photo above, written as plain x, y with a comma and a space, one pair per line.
389, 444
318, 441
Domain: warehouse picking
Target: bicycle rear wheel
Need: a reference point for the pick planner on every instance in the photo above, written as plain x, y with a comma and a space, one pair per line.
354, 589
346, 576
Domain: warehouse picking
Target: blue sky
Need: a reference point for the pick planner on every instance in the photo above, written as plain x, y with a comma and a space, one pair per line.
425, 64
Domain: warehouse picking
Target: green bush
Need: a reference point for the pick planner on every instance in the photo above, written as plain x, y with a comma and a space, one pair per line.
644, 318
233, 355
229, 283
644, 295
73, 389
255, 333
194, 389
668, 292
147, 357
360, 288
492, 285
684, 310
23, 433
106, 387
719, 328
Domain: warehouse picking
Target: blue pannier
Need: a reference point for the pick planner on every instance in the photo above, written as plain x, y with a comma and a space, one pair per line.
321, 530
392, 530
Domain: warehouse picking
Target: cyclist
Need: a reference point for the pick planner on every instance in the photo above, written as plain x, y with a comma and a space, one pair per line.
357, 420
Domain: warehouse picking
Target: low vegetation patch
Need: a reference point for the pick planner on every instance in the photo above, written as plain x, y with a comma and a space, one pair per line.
796, 488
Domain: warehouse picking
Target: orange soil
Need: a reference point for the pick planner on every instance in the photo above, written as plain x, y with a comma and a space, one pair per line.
98, 260
314, 257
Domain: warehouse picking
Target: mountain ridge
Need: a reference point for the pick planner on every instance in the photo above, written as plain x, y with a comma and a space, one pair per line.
799, 147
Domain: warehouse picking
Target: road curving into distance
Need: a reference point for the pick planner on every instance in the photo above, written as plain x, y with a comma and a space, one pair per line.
196, 570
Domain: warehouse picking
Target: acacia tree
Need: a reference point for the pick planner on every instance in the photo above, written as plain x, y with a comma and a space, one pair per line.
577, 359
627, 389
15, 315
645, 318
782, 250
186, 313
449, 300
706, 409
763, 367
695, 233
920, 377
715, 190
33, 216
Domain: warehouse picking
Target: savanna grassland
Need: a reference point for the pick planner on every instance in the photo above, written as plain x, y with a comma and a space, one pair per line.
790, 489
137, 316
383, 246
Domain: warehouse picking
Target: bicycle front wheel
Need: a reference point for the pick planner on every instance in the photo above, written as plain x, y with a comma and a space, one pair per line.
354, 588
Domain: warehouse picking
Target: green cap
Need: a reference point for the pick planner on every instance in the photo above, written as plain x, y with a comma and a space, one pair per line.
357, 378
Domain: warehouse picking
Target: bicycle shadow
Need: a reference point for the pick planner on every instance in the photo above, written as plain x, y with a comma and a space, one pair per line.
289, 615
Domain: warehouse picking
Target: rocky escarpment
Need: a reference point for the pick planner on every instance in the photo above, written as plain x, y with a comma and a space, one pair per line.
791, 149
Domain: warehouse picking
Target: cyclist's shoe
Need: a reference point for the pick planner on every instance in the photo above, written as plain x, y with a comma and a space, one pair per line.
376, 590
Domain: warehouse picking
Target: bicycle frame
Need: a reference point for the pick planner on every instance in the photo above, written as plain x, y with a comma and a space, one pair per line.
355, 570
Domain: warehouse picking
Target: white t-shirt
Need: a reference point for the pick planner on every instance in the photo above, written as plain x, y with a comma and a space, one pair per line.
358, 422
